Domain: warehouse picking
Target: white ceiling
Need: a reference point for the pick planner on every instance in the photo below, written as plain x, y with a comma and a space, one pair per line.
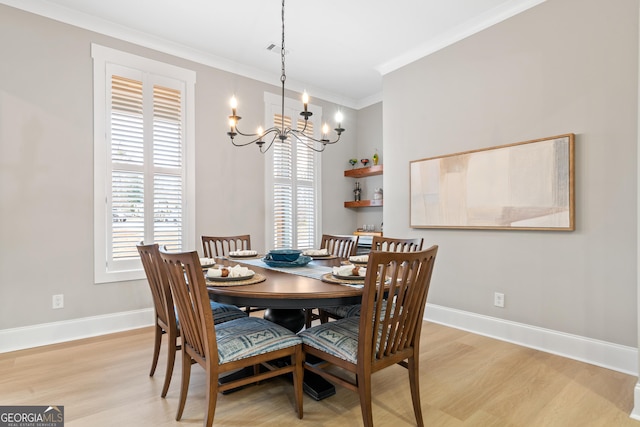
336, 49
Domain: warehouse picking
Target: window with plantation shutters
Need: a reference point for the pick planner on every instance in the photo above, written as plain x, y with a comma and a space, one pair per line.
293, 182
143, 113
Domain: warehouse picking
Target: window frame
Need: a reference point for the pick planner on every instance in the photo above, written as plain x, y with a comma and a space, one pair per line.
104, 59
273, 106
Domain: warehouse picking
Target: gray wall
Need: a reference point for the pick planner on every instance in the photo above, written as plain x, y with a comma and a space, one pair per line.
46, 169
563, 66
369, 141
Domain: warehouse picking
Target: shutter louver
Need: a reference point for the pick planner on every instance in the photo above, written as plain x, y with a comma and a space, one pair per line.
167, 211
167, 127
127, 132
127, 206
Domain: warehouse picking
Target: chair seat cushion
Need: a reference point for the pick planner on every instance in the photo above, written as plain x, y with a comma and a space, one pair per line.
339, 338
343, 311
226, 312
221, 313
250, 336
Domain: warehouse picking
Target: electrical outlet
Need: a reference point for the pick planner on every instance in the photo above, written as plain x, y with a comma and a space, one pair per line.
498, 299
57, 301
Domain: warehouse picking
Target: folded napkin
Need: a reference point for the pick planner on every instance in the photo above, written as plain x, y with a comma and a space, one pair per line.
316, 252
207, 261
245, 252
359, 258
235, 271
347, 270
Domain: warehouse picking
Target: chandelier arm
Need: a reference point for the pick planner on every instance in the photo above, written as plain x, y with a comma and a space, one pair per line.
306, 144
299, 135
243, 144
270, 144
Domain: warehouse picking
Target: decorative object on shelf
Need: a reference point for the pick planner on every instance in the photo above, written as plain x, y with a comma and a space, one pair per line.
359, 173
357, 192
353, 162
375, 158
283, 133
377, 194
364, 162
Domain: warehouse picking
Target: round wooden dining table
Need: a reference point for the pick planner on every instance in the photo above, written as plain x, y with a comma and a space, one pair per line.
286, 294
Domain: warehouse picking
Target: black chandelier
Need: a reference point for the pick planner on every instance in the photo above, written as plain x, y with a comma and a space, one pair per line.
283, 133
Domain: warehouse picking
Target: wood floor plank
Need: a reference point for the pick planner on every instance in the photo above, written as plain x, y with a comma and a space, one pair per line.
466, 380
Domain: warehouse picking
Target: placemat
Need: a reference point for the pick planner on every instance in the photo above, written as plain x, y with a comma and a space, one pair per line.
329, 278
309, 270
240, 258
257, 278
322, 257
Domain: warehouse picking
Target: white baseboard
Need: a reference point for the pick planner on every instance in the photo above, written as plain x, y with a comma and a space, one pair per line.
600, 353
69, 330
635, 412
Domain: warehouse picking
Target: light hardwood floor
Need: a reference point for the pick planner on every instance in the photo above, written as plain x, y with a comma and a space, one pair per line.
466, 380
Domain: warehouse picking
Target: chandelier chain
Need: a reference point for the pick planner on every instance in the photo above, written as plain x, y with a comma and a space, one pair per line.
283, 77
283, 132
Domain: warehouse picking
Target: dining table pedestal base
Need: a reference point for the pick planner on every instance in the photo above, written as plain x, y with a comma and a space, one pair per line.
294, 319
290, 318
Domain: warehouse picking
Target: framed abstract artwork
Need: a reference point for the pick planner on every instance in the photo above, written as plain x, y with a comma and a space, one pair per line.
525, 186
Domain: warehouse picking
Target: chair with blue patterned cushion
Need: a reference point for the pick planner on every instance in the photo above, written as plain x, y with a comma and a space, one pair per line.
378, 243
386, 333
220, 246
340, 246
228, 346
166, 320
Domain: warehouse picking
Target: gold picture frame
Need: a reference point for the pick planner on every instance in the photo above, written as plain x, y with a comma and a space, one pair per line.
523, 186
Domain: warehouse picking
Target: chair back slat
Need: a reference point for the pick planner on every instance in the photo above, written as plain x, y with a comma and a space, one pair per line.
389, 244
391, 315
192, 302
158, 282
216, 246
340, 246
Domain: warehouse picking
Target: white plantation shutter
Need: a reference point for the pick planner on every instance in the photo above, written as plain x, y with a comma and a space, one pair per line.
141, 163
168, 194
283, 212
305, 192
293, 185
127, 167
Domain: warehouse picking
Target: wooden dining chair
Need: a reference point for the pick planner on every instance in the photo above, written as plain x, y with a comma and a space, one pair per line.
166, 322
378, 243
386, 333
228, 346
217, 246
390, 244
340, 246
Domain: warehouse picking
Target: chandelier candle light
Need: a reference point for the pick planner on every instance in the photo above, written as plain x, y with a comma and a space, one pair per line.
283, 133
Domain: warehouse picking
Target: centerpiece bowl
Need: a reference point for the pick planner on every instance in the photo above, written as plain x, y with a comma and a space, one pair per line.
285, 255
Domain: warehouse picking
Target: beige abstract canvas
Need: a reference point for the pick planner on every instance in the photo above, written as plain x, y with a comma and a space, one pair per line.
527, 185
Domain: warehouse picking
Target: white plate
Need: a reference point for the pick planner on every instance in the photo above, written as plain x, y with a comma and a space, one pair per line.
243, 255
348, 277
229, 279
